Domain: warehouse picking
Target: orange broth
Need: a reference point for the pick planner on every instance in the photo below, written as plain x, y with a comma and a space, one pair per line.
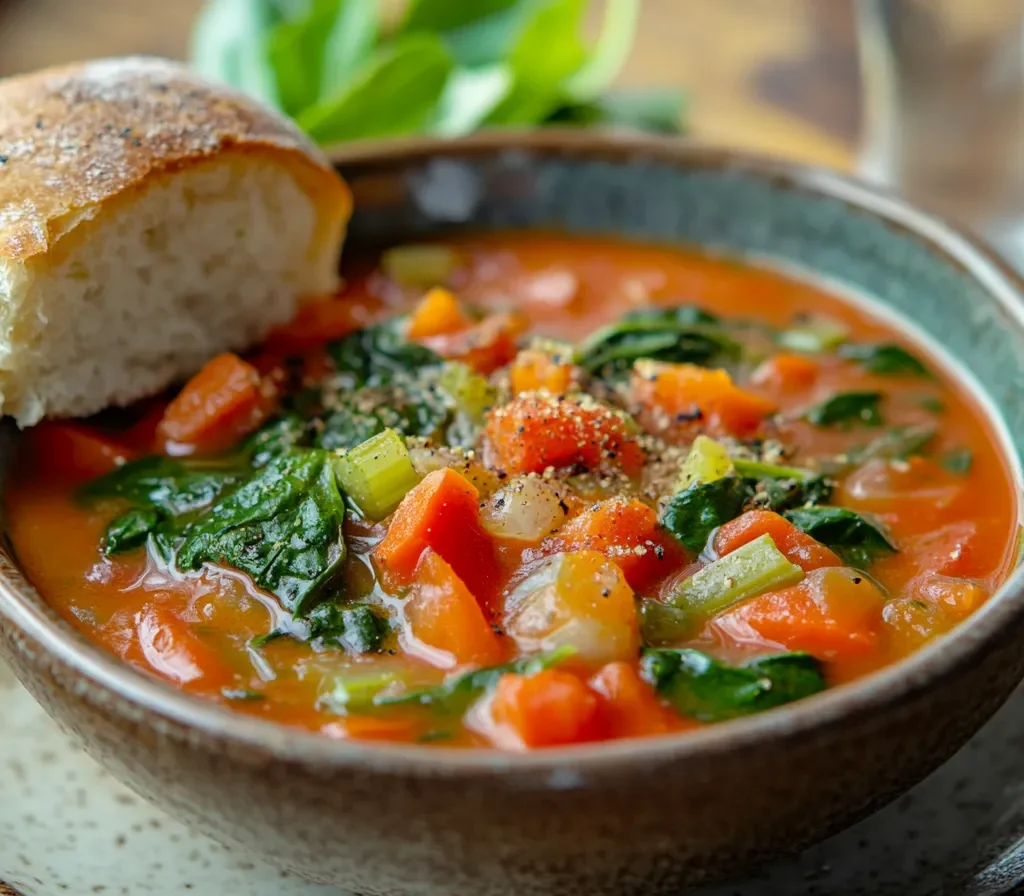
955, 531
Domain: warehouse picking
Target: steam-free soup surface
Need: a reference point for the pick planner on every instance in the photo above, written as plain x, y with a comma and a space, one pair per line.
522, 491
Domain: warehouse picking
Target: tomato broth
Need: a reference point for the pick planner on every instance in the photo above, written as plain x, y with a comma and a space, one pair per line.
528, 490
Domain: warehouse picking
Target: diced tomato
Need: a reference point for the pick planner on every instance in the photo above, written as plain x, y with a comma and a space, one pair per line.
485, 346
314, 324
219, 405
172, 651
437, 314
72, 449
948, 551
443, 615
787, 373
548, 709
534, 370
630, 708
834, 613
799, 547
535, 432
441, 513
681, 390
627, 533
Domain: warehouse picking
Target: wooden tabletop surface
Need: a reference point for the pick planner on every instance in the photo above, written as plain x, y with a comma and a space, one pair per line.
778, 76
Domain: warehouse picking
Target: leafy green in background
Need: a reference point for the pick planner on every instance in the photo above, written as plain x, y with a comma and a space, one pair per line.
446, 67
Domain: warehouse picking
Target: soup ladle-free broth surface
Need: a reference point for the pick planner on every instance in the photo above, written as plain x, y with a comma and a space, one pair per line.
529, 490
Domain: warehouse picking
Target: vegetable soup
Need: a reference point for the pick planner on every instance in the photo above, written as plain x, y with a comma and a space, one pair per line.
528, 490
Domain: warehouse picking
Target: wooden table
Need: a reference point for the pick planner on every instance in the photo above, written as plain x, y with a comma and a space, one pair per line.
779, 76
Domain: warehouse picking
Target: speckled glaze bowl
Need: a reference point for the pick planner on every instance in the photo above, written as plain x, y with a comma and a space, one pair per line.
648, 816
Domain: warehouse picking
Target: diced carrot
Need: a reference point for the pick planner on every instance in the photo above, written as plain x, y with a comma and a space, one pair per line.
315, 323
534, 370
799, 547
441, 513
442, 614
383, 728
219, 405
627, 533
535, 432
787, 373
485, 346
547, 709
71, 449
681, 390
437, 314
833, 614
630, 708
171, 650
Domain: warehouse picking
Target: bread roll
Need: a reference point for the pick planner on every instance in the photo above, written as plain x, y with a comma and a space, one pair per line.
148, 220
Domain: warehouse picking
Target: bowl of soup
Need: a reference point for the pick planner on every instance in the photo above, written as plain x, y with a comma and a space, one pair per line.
635, 512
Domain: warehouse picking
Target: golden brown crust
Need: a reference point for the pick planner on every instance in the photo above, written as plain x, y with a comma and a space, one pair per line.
73, 137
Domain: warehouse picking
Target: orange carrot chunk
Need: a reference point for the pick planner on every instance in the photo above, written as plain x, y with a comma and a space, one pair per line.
534, 370
834, 613
171, 650
442, 614
627, 533
799, 547
218, 406
485, 346
683, 390
787, 373
550, 708
535, 432
630, 708
437, 314
441, 513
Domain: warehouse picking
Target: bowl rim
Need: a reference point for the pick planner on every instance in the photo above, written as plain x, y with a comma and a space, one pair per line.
571, 766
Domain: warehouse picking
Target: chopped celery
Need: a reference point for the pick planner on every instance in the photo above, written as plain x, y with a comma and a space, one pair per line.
818, 335
376, 474
419, 265
755, 469
662, 624
706, 461
355, 693
473, 395
752, 569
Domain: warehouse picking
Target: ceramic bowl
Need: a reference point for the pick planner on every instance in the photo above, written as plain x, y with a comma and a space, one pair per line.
646, 816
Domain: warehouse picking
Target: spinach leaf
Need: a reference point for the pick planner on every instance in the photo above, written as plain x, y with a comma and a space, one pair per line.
131, 530
896, 444
855, 538
376, 355
684, 334
283, 527
415, 67
171, 486
275, 439
885, 358
357, 627
694, 513
958, 461
783, 488
847, 409
455, 694
708, 690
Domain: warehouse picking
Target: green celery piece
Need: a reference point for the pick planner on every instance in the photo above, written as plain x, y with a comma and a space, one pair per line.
608, 55
473, 395
706, 461
752, 569
419, 265
456, 693
355, 692
377, 474
415, 68
755, 469
706, 689
662, 624
815, 337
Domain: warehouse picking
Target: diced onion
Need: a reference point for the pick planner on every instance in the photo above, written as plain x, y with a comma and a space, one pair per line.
527, 509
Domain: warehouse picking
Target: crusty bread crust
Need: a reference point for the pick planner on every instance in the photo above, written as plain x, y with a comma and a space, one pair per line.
74, 137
